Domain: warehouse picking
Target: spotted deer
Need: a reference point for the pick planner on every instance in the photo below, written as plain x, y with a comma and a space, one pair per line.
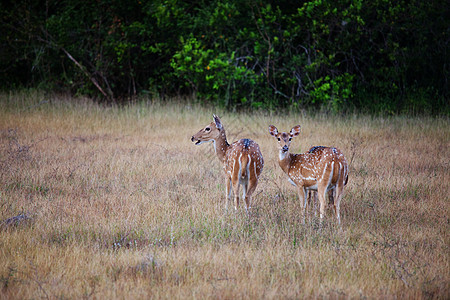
322, 169
242, 161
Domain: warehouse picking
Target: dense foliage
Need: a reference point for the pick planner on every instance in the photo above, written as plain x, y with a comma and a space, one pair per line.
379, 56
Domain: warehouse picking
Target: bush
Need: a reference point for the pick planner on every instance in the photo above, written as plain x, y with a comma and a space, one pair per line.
336, 55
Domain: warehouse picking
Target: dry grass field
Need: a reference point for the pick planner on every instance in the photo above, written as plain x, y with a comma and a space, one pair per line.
117, 202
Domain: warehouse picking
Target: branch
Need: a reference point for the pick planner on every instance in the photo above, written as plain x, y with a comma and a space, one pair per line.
50, 42
94, 81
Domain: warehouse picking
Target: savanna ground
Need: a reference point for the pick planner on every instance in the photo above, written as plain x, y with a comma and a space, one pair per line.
118, 203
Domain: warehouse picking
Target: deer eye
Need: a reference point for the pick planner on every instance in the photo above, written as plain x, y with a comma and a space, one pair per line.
207, 129
279, 139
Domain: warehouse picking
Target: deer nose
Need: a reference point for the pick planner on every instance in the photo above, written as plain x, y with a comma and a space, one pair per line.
285, 148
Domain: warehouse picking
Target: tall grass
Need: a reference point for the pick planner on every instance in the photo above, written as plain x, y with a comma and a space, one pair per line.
118, 203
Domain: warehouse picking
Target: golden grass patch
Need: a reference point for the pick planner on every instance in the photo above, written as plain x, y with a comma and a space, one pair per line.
119, 203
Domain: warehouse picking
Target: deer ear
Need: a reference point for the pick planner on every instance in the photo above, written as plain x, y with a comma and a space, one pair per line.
218, 122
295, 130
273, 130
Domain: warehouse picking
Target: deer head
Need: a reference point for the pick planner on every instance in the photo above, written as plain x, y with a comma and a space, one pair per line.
210, 133
284, 139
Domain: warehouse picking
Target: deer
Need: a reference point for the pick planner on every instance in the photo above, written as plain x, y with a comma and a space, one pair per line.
322, 169
242, 161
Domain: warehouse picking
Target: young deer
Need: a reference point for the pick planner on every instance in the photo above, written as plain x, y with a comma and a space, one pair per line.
321, 169
242, 161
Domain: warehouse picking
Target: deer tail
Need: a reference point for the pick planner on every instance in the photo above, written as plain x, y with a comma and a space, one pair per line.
244, 164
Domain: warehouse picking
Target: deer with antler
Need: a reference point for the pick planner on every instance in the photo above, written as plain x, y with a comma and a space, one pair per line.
242, 161
321, 169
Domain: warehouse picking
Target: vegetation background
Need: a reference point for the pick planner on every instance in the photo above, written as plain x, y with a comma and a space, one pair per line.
107, 201
102, 194
380, 56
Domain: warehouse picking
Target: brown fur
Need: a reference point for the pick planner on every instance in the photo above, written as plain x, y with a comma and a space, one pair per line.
323, 169
242, 161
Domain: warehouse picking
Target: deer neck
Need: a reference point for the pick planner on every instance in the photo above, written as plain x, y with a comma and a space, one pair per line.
221, 146
284, 160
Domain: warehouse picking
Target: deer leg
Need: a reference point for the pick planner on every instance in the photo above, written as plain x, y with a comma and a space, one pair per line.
228, 191
316, 203
338, 213
236, 194
322, 203
309, 197
322, 188
244, 195
338, 197
251, 188
337, 203
302, 195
